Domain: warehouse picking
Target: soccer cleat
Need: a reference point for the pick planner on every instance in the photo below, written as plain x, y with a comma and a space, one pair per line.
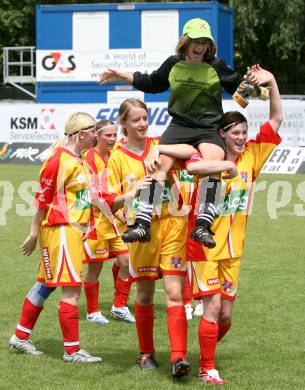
203, 235
81, 356
210, 376
180, 368
188, 311
97, 318
198, 311
24, 346
122, 313
147, 361
136, 232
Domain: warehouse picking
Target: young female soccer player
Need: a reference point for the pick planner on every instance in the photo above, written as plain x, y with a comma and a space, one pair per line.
62, 218
215, 272
164, 255
104, 241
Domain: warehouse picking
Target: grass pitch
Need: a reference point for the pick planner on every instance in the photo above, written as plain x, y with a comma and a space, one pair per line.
265, 348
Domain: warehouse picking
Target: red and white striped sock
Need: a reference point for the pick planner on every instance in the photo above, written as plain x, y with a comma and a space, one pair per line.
28, 318
68, 318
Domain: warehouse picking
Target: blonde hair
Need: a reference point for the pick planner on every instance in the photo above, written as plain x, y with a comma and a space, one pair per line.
74, 124
124, 109
184, 42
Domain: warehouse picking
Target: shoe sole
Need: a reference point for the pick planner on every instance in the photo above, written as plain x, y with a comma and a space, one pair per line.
122, 319
182, 370
17, 350
130, 241
206, 244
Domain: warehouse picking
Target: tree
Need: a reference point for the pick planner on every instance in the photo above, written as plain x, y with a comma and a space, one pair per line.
267, 32
272, 33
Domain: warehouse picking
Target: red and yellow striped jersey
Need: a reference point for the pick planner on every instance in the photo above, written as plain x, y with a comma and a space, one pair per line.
235, 203
125, 168
64, 189
100, 225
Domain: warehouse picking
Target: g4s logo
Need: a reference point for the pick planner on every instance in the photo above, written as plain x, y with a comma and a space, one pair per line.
55, 58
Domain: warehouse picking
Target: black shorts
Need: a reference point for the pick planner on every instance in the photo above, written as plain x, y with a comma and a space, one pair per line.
178, 134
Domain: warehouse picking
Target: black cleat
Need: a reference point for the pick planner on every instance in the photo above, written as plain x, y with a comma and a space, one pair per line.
180, 368
203, 235
136, 232
147, 362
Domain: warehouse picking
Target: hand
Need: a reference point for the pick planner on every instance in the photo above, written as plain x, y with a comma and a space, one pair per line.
230, 172
262, 76
110, 76
120, 216
153, 163
143, 183
29, 245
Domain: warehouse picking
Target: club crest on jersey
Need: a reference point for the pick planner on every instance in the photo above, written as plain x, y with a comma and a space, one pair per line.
244, 176
176, 261
227, 286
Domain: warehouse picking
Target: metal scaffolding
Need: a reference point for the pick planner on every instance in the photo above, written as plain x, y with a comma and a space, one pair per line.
19, 67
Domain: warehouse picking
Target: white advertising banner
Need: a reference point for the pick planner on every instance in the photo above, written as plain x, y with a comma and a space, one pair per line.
86, 65
284, 160
44, 123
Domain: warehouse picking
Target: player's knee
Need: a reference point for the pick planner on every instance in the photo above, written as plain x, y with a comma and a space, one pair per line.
39, 293
224, 318
174, 297
144, 298
124, 261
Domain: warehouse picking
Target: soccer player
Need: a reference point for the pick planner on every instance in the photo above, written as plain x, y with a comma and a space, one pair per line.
104, 241
164, 255
196, 77
64, 201
215, 272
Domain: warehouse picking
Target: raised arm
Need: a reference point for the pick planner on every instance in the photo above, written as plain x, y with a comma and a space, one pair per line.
275, 110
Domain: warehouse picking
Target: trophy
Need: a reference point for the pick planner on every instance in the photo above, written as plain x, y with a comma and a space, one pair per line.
246, 88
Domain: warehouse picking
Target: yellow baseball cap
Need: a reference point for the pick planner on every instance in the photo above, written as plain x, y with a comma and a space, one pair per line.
197, 28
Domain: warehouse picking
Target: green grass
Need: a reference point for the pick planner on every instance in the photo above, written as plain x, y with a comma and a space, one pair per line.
264, 349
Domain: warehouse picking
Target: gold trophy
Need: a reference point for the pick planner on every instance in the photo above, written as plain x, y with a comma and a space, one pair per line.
246, 89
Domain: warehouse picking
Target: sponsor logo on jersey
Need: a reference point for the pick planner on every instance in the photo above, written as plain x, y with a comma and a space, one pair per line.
233, 201
46, 260
83, 199
183, 175
148, 269
227, 285
176, 262
213, 281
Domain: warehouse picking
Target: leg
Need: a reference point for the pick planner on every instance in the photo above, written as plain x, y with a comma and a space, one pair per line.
229, 275
207, 198
32, 307
176, 323
68, 318
140, 230
225, 318
144, 314
207, 334
122, 290
115, 270
91, 288
187, 298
